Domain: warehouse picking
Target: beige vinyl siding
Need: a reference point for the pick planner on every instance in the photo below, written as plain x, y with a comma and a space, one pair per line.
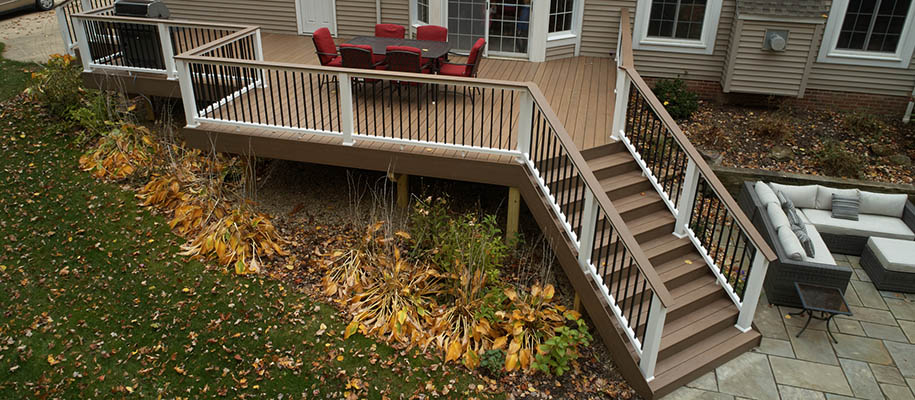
557, 52
396, 12
767, 72
270, 15
355, 17
600, 26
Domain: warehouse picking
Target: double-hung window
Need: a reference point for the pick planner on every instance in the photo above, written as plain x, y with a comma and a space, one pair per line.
421, 11
561, 15
869, 32
687, 26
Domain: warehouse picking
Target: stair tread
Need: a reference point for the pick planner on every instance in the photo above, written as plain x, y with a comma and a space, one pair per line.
610, 160
703, 356
722, 308
637, 200
627, 178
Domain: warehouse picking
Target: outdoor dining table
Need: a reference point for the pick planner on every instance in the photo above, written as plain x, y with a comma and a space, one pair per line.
430, 48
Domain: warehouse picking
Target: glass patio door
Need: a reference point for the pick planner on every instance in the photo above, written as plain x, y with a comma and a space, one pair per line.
509, 27
466, 23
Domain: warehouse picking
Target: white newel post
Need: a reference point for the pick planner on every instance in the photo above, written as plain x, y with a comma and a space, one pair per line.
687, 197
64, 31
168, 53
525, 118
85, 55
258, 45
345, 92
588, 228
187, 94
752, 291
622, 101
657, 315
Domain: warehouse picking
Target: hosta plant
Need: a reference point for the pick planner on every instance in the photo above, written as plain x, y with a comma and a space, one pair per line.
120, 152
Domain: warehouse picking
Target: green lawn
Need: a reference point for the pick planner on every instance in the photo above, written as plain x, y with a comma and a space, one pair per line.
14, 77
96, 304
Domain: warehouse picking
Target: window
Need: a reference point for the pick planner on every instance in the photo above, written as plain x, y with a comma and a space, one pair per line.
680, 19
680, 26
873, 25
422, 11
869, 32
561, 14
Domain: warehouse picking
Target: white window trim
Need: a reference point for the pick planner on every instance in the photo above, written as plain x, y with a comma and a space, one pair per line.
576, 23
829, 53
414, 14
705, 44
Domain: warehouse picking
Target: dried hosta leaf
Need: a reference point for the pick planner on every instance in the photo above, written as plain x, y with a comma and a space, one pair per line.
454, 351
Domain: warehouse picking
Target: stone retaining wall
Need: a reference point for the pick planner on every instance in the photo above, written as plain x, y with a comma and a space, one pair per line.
733, 177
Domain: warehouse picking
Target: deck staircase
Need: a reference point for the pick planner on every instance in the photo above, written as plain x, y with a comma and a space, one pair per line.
700, 332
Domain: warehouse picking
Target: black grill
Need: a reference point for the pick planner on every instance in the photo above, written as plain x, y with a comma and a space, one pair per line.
141, 8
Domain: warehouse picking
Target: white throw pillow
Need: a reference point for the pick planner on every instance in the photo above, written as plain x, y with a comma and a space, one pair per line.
890, 205
765, 193
790, 243
777, 216
801, 196
824, 196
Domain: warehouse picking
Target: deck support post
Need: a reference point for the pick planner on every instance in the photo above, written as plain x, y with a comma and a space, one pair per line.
656, 315
588, 227
85, 54
62, 25
345, 91
514, 211
525, 122
168, 53
620, 105
187, 94
687, 197
752, 291
403, 191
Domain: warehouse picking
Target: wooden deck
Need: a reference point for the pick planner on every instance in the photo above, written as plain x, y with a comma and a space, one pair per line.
579, 89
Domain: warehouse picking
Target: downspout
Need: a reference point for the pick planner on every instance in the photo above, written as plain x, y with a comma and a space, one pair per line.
377, 11
908, 110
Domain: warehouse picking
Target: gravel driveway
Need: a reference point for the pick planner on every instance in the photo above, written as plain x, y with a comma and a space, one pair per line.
30, 35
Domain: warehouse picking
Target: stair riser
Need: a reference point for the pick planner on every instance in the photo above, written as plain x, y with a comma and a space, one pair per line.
697, 336
642, 211
615, 170
595, 152
654, 233
688, 277
619, 193
679, 251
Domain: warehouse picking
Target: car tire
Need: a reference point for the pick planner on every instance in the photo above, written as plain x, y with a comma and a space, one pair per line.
44, 5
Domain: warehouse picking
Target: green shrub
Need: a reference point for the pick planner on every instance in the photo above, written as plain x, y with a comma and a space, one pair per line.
676, 98
95, 115
836, 160
492, 361
865, 126
555, 354
449, 239
58, 85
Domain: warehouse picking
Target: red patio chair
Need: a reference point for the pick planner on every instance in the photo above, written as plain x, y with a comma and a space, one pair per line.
389, 31
326, 49
468, 70
406, 59
434, 33
360, 56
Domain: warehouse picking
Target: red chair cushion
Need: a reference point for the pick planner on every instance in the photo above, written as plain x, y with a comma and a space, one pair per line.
390, 31
324, 43
432, 32
454, 70
335, 62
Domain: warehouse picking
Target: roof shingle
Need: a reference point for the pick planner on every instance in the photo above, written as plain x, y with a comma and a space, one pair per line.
783, 8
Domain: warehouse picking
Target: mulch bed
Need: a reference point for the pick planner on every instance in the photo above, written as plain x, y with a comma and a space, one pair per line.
751, 137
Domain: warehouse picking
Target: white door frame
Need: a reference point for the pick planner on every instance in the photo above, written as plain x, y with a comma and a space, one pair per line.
300, 26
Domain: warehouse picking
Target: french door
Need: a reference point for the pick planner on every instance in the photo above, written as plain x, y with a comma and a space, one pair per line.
505, 24
316, 14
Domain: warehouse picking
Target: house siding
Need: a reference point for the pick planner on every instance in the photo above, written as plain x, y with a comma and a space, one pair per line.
395, 12
600, 26
557, 52
755, 70
356, 17
270, 15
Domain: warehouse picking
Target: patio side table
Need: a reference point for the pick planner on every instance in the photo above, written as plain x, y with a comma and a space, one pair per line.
825, 300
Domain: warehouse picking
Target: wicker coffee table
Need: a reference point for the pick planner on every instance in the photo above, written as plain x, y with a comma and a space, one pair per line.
827, 301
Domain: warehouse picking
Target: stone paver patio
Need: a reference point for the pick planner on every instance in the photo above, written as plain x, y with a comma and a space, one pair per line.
874, 359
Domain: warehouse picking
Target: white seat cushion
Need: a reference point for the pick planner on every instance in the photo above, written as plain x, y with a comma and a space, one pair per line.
765, 193
821, 253
801, 196
894, 255
866, 225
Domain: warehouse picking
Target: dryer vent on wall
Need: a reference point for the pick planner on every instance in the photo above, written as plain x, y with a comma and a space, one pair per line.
775, 40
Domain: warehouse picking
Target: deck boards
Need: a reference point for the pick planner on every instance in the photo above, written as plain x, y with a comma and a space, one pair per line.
577, 88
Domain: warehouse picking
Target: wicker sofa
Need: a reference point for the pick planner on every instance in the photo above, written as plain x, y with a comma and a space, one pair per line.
829, 236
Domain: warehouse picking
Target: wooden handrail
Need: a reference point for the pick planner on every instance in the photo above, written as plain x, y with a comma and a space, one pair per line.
704, 169
197, 51
625, 39
622, 230
153, 21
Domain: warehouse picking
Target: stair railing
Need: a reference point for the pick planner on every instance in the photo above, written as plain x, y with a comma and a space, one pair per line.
68, 8
349, 106
705, 212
